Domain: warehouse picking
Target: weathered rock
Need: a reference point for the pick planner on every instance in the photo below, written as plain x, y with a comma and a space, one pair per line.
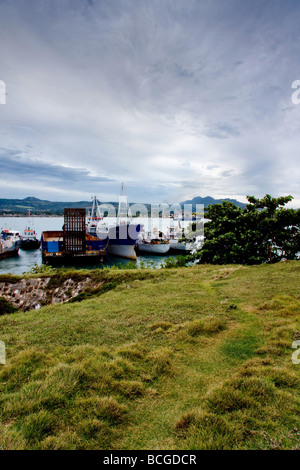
29, 294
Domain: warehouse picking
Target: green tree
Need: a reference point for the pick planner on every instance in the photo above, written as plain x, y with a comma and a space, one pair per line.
264, 231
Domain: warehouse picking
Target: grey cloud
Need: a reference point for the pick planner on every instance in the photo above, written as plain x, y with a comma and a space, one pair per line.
113, 87
222, 131
14, 165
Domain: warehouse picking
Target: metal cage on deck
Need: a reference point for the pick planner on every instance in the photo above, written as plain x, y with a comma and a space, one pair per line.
74, 231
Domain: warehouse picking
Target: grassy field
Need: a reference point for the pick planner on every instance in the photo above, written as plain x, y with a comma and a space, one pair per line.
186, 358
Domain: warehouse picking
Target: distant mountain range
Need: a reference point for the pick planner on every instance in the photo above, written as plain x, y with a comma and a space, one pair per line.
44, 207
208, 201
40, 207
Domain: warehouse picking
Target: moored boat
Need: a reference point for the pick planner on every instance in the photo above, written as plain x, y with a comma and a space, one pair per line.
95, 225
124, 233
29, 240
72, 245
122, 239
9, 243
155, 247
153, 241
188, 238
54, 250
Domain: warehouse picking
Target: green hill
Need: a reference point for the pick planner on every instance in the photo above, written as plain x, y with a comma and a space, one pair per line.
44, 207
188, 358
208, 201
39, 207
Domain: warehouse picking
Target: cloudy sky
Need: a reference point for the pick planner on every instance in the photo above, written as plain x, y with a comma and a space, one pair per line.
176, 98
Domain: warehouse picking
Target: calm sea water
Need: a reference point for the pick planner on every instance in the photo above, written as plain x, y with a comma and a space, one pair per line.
27, 259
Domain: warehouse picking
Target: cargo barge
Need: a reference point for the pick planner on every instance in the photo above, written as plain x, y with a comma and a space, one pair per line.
72, 245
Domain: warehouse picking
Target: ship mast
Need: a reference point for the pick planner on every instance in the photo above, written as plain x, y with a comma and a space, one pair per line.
123, 209
95, 208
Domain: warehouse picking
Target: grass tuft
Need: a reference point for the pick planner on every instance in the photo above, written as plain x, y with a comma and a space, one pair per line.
206, 326
193, 358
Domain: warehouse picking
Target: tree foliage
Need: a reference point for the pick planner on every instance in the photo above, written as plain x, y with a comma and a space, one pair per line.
264, 231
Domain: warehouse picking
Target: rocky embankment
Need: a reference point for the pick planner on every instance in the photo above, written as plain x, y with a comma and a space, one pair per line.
29, 294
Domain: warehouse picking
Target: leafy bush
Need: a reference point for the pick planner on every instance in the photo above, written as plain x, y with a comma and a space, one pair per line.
261, 232
178, 262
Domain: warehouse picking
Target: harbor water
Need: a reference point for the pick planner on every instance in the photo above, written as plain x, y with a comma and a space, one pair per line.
26, 260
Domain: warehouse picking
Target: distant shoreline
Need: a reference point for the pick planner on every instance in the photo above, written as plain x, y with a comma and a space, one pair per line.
32, 215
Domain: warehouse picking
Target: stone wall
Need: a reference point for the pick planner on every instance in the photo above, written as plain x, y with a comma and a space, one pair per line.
29, 294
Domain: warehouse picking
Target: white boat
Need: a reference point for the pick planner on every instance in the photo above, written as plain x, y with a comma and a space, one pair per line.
180, 242
181, 245
154, 247
186, 245
153, 242
10, 242
124, 251
95, 224
123, 234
